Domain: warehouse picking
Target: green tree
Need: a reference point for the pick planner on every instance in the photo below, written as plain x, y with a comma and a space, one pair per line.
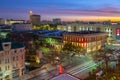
72, 49
103, 54
51, 54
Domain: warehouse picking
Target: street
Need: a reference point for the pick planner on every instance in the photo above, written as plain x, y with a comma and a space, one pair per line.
81, 71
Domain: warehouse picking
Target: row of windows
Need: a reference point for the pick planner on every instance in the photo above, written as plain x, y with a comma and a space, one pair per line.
21, 50
6, 61
84, 28
83, 39
90, 28
108, 29
6, 68
15, 58
8, 52
15, 65
85, 44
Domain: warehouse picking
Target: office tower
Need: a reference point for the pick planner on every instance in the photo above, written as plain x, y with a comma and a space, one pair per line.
34, 19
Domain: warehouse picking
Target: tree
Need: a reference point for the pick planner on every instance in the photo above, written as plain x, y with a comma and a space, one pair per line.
72, 49
104, 54
51, 54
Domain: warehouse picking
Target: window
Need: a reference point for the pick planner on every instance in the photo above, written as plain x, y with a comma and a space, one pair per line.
5, 67
8, 60
5, 60
13, 58
0, 62
6, 45
21, 50
15, 51
21, 57
8, 67
0, 69
16, 57
16, 65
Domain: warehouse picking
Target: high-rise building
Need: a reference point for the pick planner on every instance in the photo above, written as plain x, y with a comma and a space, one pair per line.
34, 19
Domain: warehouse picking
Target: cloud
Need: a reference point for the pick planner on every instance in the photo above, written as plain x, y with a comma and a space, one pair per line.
97, 12
49, 14
109, 10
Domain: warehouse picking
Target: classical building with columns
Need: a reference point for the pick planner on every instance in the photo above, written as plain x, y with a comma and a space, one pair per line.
89, 40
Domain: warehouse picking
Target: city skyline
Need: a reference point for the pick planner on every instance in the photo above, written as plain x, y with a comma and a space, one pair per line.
83, 10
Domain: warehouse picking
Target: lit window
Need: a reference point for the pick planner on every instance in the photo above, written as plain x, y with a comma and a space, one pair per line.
118, 34
8, 67
5, 67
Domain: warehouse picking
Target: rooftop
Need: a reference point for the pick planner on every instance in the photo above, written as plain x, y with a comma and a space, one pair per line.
13, 45
65, 76
35, 15
4, 40
86, 32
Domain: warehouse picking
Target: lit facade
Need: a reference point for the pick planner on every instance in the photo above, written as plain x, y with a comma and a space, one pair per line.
10, 22
89, 40
12, 60
113, 31
3, 21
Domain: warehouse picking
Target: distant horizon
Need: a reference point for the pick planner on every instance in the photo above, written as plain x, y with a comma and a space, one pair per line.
86, 19
81, 10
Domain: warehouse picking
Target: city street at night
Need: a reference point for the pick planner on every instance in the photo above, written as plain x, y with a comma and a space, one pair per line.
60, 40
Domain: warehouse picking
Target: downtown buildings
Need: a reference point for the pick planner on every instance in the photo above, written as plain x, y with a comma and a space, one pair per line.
12, 60
113, 30
10, 21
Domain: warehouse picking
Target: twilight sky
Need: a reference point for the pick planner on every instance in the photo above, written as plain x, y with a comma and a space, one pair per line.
67, 10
